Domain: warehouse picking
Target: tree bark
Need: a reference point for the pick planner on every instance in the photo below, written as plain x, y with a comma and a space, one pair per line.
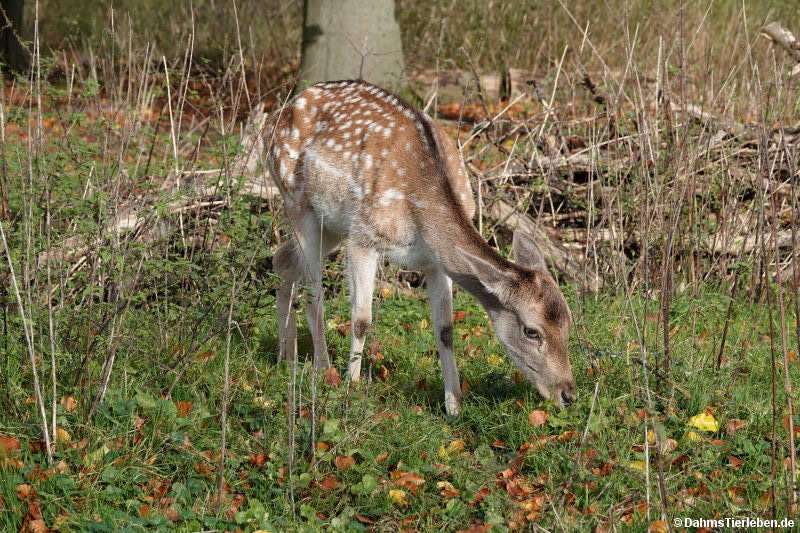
351, 39
15, 56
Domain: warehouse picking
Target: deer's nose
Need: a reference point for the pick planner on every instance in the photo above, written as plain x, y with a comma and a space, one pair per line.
568, 393
566, 397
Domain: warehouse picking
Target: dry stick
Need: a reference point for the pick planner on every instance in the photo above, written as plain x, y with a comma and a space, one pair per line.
773, 377
225, 391
29, 341
579, 455
787, 384
174, 148
795, 271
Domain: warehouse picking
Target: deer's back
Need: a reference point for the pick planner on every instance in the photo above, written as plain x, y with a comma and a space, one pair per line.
371, 167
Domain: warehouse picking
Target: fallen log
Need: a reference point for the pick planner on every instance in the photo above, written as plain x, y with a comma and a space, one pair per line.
786, 40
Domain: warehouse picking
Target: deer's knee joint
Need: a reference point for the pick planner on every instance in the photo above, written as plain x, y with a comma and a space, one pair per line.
360, 328
446, 337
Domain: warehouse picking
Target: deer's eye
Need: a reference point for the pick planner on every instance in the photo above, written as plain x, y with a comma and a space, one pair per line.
532, 333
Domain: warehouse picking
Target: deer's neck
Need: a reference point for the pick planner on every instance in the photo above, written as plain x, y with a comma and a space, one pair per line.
452, 236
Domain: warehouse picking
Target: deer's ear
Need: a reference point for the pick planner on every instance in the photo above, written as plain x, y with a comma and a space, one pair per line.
495, 280
526, 252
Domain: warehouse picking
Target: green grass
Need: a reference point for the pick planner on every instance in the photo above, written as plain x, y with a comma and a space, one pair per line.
139, 452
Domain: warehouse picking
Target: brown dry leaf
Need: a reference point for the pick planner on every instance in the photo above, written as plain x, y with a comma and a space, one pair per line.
537, 417
24, 491
785, 424
464, 387
668, 445
62, 436
364, 519
447, 489
331, 377
383, 373
69, 403
734, 425
408, 480
344, 329
257, 459
344, 462
483, 491
34, 510
329, 482
735, 462
459, 316
37, 526
475, 529
171, 514
499, 444
657, 526
282, 473
381, 457
566, 436
323, 446
736, 494
183, 408
8, 445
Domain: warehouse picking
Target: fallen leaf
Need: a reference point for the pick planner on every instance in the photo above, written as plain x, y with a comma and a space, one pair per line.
641, 466
329, 482
37, 526
24, 491
734, 425
693, 436
69, 403
398, 497
668, 445
657, 526
785, 424
381, 457
736, 494
364, 519
171, 514
447, 489
499, 444
494, 359
183, 408
62, 436
257, 459
344, 462
459, 316
408, 480
735, 462
323, 446
537, 417
344, 329
8, 445
383, 373
331, 377
475, 529
704, 422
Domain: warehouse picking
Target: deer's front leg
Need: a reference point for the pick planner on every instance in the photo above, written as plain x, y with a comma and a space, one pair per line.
362, 264
440, 293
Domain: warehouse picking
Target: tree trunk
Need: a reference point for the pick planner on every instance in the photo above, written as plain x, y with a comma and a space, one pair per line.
13, 54
350, 39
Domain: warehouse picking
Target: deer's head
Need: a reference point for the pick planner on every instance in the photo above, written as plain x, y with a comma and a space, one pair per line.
530, 316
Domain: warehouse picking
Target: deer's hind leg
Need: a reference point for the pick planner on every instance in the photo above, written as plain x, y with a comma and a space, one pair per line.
300, 261
287, 263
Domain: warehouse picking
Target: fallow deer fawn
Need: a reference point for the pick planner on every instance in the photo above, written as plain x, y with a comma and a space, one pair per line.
355, 164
